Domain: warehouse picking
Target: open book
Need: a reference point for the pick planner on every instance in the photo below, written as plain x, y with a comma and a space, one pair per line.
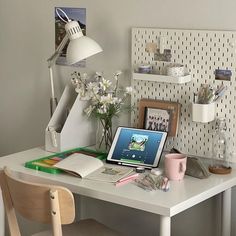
92, 168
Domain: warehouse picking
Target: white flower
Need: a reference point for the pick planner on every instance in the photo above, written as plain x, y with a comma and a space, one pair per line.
84, 76
89, 110
98, 75
81, 90
95, 99
102, 109
75, 81
116, 100
93, 87
78, 89
129, 90
106, 99
117, 74
105, 84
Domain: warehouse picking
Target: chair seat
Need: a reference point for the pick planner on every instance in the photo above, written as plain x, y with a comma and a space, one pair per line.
88, 227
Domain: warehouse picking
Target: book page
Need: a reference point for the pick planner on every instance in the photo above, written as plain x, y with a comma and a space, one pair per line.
80, 164
110, 173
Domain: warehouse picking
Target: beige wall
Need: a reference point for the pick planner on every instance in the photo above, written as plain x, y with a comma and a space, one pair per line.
27, 40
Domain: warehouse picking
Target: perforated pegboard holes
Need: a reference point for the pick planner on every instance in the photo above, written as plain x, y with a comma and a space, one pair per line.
201, 52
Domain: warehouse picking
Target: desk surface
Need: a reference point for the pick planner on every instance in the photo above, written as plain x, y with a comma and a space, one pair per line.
181, 196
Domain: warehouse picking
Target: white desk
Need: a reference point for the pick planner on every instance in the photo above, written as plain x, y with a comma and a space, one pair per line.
182, 195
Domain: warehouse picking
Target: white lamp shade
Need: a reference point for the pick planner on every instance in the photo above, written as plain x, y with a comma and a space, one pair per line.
81, 48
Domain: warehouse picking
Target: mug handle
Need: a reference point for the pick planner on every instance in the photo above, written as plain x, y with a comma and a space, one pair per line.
182, 167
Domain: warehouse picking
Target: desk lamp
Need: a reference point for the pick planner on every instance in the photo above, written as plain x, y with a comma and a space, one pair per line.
79, 48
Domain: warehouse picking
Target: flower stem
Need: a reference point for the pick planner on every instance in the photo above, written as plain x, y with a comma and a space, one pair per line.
106, 136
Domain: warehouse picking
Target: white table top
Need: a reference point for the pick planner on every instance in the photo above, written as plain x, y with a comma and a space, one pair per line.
181, 196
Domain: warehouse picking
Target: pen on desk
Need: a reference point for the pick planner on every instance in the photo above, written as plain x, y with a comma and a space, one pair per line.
127, 179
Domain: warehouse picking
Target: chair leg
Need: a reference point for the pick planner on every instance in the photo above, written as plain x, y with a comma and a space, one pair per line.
10, 212
55, 213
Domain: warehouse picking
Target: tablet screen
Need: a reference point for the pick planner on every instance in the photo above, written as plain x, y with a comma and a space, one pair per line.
137, 147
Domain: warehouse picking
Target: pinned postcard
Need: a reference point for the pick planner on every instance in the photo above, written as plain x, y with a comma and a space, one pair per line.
166, 56
223, 74
151, 47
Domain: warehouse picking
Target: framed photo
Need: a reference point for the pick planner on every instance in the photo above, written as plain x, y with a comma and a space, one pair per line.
159, 115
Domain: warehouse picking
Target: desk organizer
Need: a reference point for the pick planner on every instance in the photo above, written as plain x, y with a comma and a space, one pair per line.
69, 127
201, 52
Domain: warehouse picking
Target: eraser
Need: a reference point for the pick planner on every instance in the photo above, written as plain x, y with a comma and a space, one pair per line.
157, 171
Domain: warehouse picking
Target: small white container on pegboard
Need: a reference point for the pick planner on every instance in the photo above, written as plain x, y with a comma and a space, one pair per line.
203, 112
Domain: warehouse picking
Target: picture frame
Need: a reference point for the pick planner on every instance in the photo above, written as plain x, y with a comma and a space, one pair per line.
159, 115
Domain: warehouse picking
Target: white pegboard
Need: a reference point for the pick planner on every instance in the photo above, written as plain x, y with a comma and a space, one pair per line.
201, 52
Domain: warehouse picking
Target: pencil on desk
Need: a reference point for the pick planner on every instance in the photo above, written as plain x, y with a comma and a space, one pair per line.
127, 179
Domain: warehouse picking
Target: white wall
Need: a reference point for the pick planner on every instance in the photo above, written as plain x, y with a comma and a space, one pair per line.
27, 40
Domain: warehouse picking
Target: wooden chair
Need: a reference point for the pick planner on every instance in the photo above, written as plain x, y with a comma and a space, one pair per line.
45, 204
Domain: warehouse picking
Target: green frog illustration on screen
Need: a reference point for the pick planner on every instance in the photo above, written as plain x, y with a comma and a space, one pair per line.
138, 142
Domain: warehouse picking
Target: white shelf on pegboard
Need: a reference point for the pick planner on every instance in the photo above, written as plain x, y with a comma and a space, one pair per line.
162, 78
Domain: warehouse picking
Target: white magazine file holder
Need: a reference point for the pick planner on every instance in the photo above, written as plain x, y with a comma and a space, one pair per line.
69, 127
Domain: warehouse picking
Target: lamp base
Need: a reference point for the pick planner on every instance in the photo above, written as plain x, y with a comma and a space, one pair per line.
53, 105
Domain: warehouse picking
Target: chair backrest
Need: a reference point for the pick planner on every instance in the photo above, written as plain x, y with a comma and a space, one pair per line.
38, 202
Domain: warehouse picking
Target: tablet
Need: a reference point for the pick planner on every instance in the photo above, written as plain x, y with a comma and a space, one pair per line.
137, 147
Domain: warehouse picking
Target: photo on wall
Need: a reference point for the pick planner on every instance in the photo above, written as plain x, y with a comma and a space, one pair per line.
159, 115
77, 14
157, 119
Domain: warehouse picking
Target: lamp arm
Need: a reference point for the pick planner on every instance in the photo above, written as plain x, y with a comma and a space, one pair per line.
51, 61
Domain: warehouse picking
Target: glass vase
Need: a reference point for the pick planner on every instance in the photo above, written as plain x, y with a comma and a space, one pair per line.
220, 149
104, 135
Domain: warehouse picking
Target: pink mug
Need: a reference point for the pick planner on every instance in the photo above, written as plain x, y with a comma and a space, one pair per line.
175, 166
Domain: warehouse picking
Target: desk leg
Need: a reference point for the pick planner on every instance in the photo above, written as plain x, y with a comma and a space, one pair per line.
2, 216
165, 225
226, 213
